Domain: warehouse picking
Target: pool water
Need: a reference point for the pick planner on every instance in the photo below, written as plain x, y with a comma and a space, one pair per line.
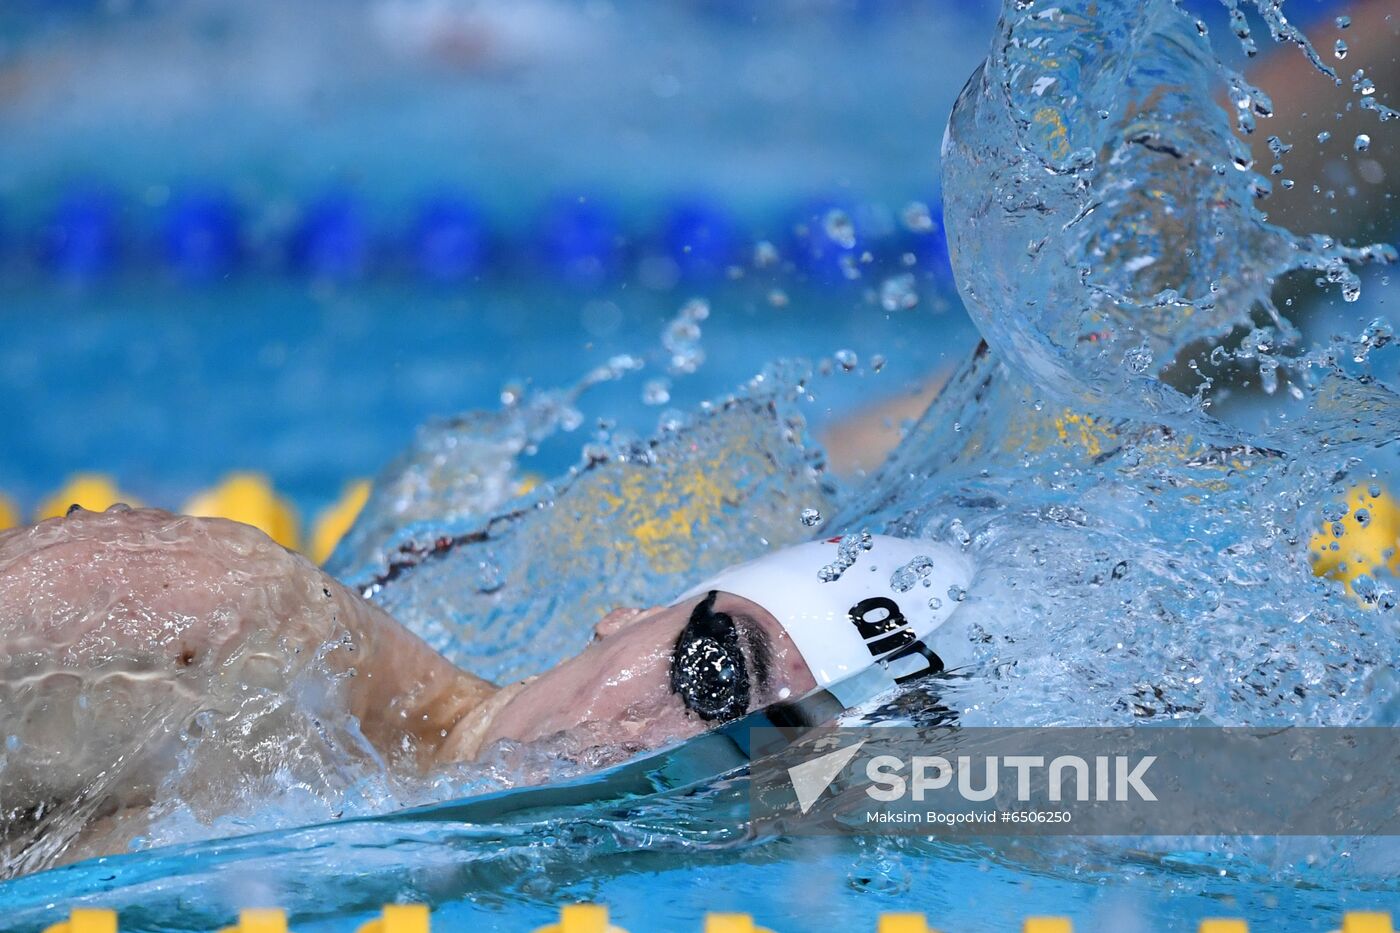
1141, 530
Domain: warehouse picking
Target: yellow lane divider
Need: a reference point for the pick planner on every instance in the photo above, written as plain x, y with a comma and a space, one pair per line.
400, 918
1362, 541
1223, 925
92, 491
593, 918
242, 496
581, 918
731, 923
249, 498
335, 519
1046, 925
259, 920
1366, 921
85, 920
903, 923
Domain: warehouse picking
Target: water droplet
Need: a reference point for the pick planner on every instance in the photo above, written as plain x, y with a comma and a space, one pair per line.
839, 229
848, 549
917, 217
911, 574
899, 293
1363, 517
1323, 136
846, 359
1138, 359
1340, 49
656, 392
811, 517
681, 338
1268, 375
778, 298
1334, 511
877, 363
956, 593
935, 603
1343, 22
1363, 142
959, 532
489, 577
849, 268
765, 254
671, 421
696, 309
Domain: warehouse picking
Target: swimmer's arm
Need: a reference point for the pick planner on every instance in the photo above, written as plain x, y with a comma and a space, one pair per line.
404, 694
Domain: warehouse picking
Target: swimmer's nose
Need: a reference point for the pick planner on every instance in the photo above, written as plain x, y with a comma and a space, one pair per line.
619, 619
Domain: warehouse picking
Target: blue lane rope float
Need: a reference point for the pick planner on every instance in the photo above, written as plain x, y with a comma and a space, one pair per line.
450, 240
81, 238
580, 240
701, 238
202, 239
203, 234
332, 242
593, 918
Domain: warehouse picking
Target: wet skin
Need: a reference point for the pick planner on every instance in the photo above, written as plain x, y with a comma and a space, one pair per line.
120, 629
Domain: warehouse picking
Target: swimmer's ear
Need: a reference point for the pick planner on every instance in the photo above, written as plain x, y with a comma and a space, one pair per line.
619, 619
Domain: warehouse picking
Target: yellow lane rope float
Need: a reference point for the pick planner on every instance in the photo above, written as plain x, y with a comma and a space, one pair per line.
731, 923
84, 920
1361, 541
582, 918
92, 491
400, 918
259, 920
249, 498
335, 520
593, 918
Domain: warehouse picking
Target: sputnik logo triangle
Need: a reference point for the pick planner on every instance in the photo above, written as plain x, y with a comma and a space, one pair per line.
811, 778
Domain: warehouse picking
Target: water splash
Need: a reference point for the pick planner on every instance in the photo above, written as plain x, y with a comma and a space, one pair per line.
1139, 561
1102, 205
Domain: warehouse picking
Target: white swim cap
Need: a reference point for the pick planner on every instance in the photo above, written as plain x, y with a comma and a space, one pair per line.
845, 617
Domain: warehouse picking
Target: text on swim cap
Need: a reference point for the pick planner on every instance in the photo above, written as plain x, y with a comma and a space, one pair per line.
888, 636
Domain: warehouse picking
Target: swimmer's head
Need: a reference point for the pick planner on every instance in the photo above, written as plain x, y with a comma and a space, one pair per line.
843, 619
757, 634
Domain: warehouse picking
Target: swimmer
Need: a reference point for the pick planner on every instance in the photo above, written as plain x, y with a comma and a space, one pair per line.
124, 633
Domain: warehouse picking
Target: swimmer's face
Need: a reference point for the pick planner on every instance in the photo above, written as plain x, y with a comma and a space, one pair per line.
660, 675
